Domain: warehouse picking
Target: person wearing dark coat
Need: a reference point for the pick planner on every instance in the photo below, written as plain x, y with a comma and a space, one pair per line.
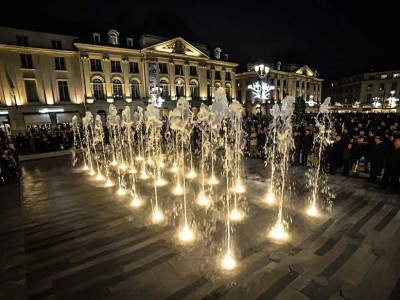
336, 155
306, 143
347, 159
377, 157
392, 166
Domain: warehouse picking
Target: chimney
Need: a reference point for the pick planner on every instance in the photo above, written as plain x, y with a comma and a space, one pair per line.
96, 37
278, 65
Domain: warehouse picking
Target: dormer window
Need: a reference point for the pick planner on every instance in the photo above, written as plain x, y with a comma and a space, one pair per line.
217, 53
96, 37
113, 37
129, 42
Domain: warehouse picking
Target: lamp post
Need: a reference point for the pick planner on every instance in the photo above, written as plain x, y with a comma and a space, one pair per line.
262, 89
392, 100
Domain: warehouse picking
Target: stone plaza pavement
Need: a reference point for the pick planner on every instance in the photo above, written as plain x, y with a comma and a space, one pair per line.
61, 237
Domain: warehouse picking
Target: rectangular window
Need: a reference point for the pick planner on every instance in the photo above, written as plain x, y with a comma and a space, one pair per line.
95, 64
115, 66
217, 75
368, 98
22, 40
381, 86
383, 76
228, 76
208, 74
394, 86
63, 90
133, 67
31, 91
396, 75
60, 63
193, 71
239, 95
56, 44
129, 42
178, 70
26, 61
371, 77
369, 87
163, 68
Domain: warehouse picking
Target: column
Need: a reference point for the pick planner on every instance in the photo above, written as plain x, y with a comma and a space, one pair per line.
125, 76
107, 76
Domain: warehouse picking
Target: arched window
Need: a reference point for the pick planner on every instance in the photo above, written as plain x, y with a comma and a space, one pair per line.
98, 89
164, 88
194, 89
113, 37
180, 88
117, 89
228, 89
135, 91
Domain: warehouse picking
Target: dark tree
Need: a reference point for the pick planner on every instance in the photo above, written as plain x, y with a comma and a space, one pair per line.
299, 111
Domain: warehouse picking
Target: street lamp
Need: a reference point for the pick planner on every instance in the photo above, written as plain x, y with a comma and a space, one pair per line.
155, 96
261, 89
392, 100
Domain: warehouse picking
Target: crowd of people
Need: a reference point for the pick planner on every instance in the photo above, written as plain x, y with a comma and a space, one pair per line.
33, 141
368, 143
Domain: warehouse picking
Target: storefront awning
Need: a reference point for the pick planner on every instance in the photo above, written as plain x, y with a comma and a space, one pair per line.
37, 119
67, 117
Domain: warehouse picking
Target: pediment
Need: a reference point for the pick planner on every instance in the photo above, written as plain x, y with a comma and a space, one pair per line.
305, 70
178, 46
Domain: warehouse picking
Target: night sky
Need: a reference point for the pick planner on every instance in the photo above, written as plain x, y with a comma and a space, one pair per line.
337, 38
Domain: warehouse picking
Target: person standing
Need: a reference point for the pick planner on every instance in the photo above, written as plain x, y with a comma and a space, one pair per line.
377, 157
307, 141
392, 166
253, 143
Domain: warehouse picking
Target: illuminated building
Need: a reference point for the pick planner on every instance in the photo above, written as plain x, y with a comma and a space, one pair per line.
371, 90
289, 79
40, 81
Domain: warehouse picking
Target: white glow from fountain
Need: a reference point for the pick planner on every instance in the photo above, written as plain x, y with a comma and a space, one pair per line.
100, 177
144, 175
85, 168
174, 169
161, 164
132, 170
160, 181
123, 167
312, 211
114, 163
186, 235
239, 188
121, 192
278, 232
213, 180
203, 201
236, 215
136, 202
92, 172
192, 174
108, 183
150, 162
178, 190
157, 216
139, 158
270, 199
228, 262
